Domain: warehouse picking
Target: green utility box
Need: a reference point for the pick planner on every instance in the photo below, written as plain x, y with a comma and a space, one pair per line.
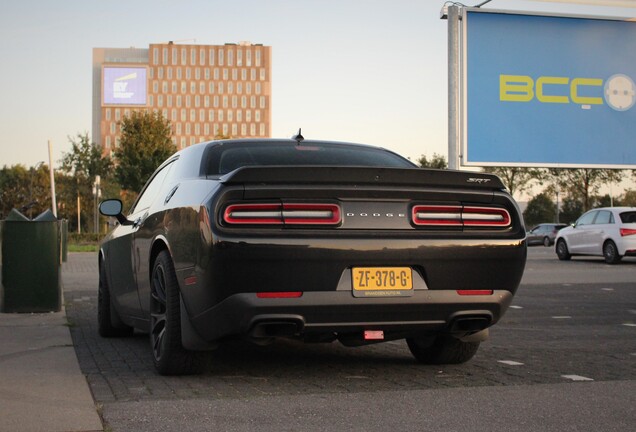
30, 264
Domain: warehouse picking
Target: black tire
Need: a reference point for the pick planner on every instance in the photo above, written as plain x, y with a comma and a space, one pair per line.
610, 252
562, 250
169, 356
109, 324
444, 350
546, 241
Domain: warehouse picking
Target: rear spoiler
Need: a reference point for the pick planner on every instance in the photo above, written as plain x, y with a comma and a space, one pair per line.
361, 176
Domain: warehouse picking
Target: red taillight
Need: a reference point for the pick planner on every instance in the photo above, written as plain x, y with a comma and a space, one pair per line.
474, 292
283, 214
280, 294
627, 232
437, 215
460, 216
253, 214
311, 214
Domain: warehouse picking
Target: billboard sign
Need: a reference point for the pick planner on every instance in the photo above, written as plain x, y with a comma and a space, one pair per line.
124, 85
548, 90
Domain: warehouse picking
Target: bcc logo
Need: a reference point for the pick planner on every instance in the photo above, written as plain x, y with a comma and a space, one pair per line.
619, 91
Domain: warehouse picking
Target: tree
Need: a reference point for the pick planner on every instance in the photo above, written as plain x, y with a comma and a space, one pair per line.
583, 183
145, 143
517, 179
629, 198
571, 210
540, 209
80, 167
438, 161
25, 189
85, 158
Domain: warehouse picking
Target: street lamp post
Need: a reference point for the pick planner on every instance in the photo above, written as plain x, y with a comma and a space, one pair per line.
97, 193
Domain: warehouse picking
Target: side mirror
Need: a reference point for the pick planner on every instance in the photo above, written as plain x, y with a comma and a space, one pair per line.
113, 208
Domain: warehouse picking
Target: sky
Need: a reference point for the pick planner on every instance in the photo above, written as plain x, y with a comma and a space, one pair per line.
365, 71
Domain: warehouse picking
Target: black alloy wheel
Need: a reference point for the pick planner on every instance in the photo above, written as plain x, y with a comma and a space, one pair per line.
169, 356
546, 241
562, 250
610, 252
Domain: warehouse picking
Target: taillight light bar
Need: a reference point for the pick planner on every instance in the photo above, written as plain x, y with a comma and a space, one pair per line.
474, 292
627, 232
460, 216
283, 214
280, 294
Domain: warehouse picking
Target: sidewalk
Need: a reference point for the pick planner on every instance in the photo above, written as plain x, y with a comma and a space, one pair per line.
41, 385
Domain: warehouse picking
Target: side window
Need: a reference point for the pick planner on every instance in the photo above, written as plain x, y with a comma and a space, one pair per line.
604, 217
586, 219
149, 193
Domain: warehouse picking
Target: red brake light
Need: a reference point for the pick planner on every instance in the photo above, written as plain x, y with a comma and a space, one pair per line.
283, 214
627, 232
460, 216
474, 292
281, 294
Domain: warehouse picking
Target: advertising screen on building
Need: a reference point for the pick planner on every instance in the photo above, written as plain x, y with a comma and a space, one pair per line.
542, 90
124, 85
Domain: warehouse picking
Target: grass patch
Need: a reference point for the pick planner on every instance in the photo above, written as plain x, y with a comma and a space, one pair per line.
72, 247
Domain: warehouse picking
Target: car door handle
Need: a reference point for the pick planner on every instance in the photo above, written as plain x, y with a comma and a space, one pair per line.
137, 223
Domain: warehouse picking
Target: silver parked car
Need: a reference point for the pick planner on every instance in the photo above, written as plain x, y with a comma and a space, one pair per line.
544, 234
609, 232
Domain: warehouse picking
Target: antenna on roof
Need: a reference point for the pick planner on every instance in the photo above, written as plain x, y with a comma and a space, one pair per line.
298, 137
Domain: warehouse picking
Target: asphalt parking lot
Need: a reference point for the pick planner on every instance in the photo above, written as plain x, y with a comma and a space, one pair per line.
568, 341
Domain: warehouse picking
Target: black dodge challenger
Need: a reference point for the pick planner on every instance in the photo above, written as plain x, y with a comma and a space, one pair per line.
314, 240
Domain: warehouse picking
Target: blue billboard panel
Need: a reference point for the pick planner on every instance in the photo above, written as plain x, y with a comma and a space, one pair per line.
549, 91
124, 85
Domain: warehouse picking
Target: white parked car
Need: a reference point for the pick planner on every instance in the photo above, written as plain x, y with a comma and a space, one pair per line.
609, 232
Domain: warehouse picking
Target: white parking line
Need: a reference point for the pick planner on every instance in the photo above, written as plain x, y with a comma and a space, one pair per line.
629, 324
516, 307
510, 362
607, 289
562, 317
576, 378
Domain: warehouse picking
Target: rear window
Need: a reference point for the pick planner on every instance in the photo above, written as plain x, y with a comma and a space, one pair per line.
224, 158
628, 217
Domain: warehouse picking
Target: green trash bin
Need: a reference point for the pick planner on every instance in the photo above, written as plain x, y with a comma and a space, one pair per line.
30, 260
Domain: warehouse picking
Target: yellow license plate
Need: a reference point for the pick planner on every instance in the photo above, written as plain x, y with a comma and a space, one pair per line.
382, 281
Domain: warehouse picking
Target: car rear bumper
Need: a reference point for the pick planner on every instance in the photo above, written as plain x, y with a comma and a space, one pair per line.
318, 315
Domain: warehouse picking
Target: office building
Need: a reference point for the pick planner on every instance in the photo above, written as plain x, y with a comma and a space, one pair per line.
205, 91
